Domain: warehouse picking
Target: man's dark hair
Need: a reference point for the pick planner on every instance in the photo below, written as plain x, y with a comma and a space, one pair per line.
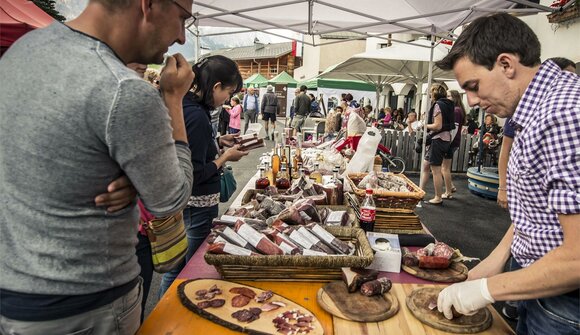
487, 37
563, 62
303, 88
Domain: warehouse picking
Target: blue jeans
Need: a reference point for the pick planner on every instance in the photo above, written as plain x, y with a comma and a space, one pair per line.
143, 251
555, 315
197, 227
559, 315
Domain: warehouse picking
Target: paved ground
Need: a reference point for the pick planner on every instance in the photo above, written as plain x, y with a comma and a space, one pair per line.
473, 224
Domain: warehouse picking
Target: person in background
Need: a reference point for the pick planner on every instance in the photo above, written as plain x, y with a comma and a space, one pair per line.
314, 108
100, 120
496, 59
293, 108
412, 124
440, 118
459, 112
471, 125
250, 107
565, 64
351, 102
302, 108
216, 79
367, 112
235, 112
388, 119
269, 109
381, 115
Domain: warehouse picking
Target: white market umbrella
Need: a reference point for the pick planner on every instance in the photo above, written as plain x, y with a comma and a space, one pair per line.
400, 63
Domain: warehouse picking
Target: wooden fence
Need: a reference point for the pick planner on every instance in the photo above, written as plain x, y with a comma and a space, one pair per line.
403, 145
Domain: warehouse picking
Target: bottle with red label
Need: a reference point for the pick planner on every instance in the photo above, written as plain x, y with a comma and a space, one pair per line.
368, 211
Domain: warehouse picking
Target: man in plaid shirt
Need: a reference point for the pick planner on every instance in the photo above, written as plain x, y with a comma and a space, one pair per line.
497, 61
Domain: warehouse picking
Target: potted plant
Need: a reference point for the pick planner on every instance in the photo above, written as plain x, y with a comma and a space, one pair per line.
561, 15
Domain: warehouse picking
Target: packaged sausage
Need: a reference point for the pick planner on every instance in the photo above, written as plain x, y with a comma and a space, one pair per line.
316, 241
225, 247
283, 242
301, 240
257, 239
331, 240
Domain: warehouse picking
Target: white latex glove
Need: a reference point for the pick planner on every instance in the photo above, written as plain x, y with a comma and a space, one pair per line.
467, 297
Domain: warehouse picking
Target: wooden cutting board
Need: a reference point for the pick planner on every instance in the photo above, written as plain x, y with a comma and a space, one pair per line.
223, 315
455, 273
419, 300
336, 300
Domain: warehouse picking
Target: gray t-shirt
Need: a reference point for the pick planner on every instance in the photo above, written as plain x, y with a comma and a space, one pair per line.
73, 118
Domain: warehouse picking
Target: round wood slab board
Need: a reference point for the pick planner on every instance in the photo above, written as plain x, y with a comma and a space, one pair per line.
336, 300
223, 315
456, 272
418, 302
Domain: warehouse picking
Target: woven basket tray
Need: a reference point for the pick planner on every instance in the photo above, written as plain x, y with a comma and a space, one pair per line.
387, 200
295, 267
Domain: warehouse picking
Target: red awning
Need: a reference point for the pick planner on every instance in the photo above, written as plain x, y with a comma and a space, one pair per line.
17, 17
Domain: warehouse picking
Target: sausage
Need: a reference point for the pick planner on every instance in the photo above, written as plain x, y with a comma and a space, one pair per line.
376, 287
215, 303
433, 262
240, 300
243, 291
257, 240
409, 258
229, 249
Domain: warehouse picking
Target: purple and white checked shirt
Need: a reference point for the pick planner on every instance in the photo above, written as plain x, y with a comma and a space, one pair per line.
544, 165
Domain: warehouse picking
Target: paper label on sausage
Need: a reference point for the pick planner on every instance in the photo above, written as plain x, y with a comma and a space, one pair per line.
250, 234
297, 237
313, 239
234, 237
287, 248
220, 239
335, 217
235, 250
323, 234
232, 219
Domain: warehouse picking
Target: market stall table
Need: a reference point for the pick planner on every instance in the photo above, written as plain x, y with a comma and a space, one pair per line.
171, 317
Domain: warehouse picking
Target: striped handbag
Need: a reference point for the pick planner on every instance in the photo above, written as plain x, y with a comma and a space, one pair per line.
168, 241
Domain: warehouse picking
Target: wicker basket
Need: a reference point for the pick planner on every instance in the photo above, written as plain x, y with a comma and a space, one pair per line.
388, 201
295, 267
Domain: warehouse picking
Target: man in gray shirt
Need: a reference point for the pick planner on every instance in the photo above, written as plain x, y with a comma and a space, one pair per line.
250, 105
69, 265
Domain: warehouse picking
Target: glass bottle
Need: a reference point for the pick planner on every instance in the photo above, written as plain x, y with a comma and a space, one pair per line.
296, 160
339, 188
316, 175
262, 182
283, 157
283, 181
275, 163
368, 211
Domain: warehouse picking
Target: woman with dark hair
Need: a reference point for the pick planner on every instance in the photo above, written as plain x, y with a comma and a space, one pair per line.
439, 123
459, 112
216, 79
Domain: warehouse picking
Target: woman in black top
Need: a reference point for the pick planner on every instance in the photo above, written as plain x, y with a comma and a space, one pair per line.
216, 79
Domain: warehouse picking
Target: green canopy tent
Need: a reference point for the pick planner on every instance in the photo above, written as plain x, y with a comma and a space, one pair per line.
255, 80
282, 78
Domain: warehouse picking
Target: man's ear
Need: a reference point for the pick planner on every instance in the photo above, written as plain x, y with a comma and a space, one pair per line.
146, 6
507, 63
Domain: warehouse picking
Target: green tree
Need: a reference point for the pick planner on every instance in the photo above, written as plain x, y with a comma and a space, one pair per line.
48, 7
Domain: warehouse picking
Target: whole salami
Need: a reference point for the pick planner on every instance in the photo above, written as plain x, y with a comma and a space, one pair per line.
376, 287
